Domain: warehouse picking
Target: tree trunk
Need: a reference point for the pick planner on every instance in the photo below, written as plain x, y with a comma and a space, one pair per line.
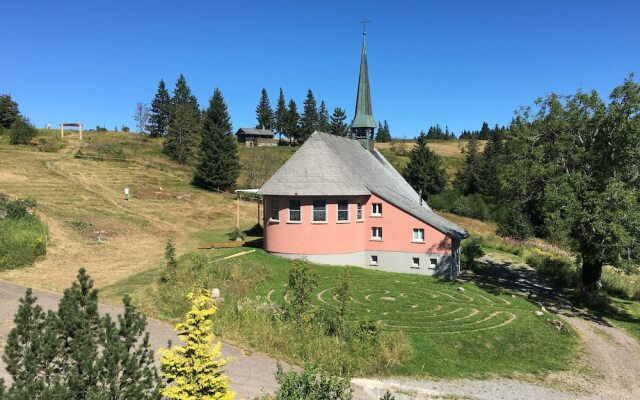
591, 272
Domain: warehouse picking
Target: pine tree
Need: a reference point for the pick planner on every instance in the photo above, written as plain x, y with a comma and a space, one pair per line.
309, 118
490, 164
281, 115
159, 117
74, 353
195, 369
170, 255
292, 127
338, 127
485, 131
9, 112
467, 179
264, 113
424, 171
323, 118
219, 165
183, 135
383, 135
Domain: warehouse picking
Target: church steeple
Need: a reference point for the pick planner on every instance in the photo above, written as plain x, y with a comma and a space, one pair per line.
363, 124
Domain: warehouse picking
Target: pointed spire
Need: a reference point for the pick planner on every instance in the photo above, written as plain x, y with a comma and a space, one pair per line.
363, 123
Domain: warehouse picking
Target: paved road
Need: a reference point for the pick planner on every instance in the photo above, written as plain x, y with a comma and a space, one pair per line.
250, 375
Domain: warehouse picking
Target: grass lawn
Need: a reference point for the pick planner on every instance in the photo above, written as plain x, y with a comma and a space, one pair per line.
627, 316
452, 333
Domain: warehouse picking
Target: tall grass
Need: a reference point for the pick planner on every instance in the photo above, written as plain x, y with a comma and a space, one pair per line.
22, 241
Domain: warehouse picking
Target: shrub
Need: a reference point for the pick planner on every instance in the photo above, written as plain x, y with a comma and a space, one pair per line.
560, 271
310, 384
22, 132
472, 206
471, 251
514, 224
23, 237
302, 281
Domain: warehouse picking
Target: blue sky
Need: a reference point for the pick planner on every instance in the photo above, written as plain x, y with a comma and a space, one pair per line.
456, 63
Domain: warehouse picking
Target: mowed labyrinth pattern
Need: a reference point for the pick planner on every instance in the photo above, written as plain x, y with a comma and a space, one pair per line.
419, 305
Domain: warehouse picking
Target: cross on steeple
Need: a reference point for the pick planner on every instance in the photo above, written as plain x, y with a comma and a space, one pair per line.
364, 25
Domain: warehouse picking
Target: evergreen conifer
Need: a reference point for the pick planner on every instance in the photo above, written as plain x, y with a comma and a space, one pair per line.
338, 127
159, 113
309, 118
424, 171
184, 134
468, 179
281, 115
292, 126
323, 118
195, 369
264, 112
219, 165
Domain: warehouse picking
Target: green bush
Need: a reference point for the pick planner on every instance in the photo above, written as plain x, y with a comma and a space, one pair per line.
22, 241
471, 251
560, 271
22, 132
16, 208
513, 224
472, 206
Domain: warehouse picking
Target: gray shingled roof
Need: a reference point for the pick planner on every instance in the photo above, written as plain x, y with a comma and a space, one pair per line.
330, 165
256, 132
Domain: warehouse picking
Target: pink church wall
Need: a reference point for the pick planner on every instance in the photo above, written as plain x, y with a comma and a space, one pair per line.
332, 237
310, 237
397, 231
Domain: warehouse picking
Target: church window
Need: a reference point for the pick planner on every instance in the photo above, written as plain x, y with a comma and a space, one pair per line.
376, 209
343, 210
294, 211
275, 211
319, 211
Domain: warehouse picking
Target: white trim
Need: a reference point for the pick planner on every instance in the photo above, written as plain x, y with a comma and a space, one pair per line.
413, 234
289, 221
373, 230
361, 219
373, 213
313, 212
344, 221
371, 261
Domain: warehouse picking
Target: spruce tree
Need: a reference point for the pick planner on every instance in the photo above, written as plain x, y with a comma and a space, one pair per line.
73, 353
184, 134
281, 116
338, 127
159, 113
490, 164
468, 179
264, 113
424, 171
195, 369
292, 126
309, 118
323, 118
219, 165
9, 112
383, 135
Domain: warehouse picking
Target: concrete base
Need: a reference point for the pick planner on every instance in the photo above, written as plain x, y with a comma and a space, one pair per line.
442, 265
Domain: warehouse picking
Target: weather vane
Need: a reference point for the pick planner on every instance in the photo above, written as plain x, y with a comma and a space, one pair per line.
364, 25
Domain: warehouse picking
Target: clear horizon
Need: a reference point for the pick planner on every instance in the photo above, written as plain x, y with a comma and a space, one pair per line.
455, 64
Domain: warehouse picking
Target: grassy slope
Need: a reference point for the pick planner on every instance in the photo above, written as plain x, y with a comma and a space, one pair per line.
453, 333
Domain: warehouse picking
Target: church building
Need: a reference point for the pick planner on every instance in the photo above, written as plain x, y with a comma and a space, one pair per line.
338, 201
